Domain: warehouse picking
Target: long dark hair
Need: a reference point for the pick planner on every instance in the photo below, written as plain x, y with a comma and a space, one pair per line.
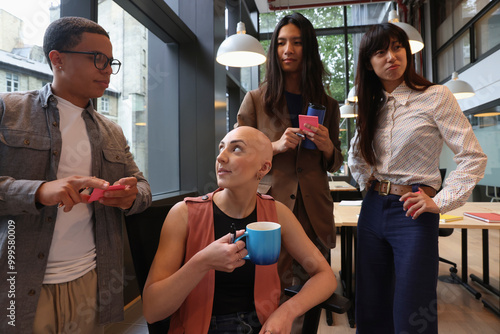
312, 89
369, 87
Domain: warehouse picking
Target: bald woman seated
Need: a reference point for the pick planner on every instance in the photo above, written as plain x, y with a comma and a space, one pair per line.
199, 276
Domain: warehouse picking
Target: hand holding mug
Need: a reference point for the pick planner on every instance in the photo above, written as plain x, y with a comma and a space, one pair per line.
223, 255
263, 242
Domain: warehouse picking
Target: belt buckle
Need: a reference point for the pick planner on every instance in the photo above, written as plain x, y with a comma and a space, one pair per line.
387, 189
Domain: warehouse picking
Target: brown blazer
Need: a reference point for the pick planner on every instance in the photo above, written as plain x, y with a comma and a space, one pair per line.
301, 166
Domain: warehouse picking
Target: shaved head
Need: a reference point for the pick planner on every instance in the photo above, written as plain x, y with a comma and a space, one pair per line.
245, 152
258, 140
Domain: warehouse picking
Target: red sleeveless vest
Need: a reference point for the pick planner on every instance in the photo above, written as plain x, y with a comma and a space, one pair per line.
194, 314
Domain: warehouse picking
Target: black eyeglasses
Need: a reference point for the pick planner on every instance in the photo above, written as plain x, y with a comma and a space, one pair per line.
101, 61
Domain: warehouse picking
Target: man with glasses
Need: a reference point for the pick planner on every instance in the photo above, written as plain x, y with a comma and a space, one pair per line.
61, 252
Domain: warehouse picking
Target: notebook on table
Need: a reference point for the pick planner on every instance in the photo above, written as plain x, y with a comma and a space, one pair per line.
449, 218
489, 217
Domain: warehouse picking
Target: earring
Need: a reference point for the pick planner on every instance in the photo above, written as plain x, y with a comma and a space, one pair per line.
60, 67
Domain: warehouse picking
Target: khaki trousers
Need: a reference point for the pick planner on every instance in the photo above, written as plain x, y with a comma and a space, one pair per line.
69, 307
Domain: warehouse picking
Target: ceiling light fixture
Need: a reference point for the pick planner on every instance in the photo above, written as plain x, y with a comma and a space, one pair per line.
488, 114
459, 88
240, 49
414, 37
348, 110
352, 96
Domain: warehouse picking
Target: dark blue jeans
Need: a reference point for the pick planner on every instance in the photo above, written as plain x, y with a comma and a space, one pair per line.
397, 268
237, 323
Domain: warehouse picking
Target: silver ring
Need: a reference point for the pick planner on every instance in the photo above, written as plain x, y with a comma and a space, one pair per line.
268, 331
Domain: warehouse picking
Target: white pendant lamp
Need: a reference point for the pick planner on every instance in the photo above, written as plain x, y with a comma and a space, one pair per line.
459, 88
352, 96
414, 37
348, 110
240, 50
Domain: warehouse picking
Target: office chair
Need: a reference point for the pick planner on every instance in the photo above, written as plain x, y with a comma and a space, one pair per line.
494, 194
143, 230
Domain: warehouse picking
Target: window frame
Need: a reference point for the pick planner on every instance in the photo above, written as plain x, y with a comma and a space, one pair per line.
11, 82
470, 27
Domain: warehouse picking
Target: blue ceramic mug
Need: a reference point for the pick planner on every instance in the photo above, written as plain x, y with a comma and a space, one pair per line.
263, 242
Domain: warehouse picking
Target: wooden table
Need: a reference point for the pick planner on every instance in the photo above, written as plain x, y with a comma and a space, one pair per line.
341, 190
341, 186
346, 217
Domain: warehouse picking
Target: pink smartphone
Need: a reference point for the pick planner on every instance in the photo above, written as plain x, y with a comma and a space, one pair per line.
98, 193
303, 119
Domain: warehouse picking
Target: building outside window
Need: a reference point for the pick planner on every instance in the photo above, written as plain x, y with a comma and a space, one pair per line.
22, 62
12, 82
104, 105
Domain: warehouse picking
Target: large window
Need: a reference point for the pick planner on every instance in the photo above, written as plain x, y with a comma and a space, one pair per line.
466, 31
142, 97
454, 57
487, 31
452, 15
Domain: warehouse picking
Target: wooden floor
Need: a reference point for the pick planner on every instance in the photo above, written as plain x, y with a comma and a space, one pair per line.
458, 311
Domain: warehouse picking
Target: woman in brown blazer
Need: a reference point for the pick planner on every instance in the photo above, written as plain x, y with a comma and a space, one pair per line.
299, 176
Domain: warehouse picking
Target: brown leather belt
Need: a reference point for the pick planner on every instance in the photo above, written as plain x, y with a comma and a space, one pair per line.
386, 187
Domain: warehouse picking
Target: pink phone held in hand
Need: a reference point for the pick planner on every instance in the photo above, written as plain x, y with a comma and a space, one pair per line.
97, 194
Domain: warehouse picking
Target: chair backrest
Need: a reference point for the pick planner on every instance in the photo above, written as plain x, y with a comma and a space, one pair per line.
442, 171
444, 232
143, 230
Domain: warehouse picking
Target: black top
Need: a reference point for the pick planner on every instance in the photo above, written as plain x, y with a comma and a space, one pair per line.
233, 291
294, 103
